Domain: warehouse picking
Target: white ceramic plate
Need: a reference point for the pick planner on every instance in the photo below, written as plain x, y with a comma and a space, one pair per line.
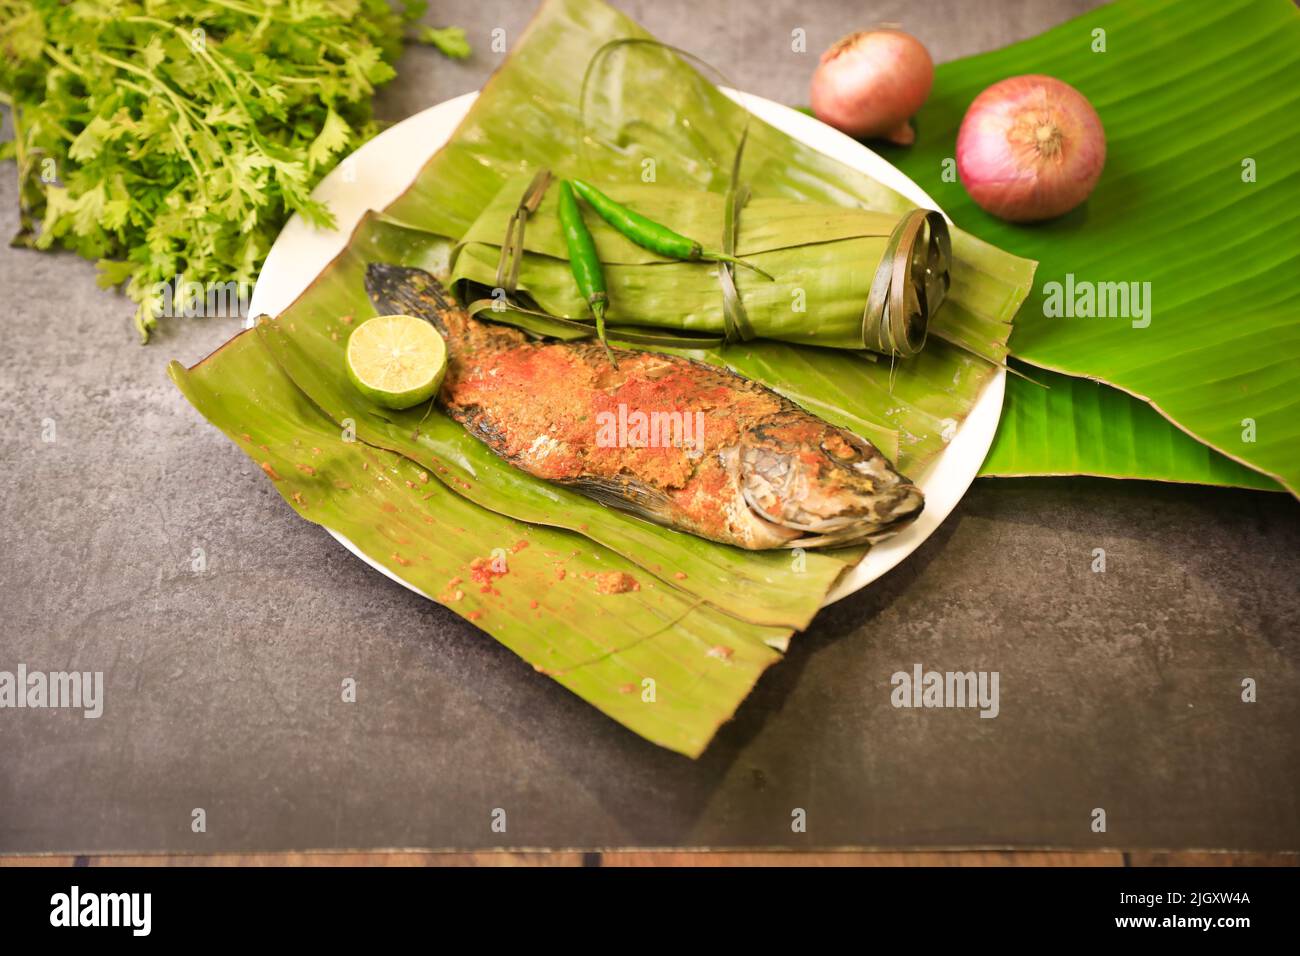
378, 172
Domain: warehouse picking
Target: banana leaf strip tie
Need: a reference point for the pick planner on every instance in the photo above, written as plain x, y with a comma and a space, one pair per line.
556, 327
508, 266
739, 328
910, 284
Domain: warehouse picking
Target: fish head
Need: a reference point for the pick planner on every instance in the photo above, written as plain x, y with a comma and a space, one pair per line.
811, 484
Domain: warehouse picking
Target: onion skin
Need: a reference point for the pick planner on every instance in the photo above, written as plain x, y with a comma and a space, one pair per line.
1030, 148
871, 83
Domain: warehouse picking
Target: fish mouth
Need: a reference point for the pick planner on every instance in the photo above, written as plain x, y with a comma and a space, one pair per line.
905, 504
809, 485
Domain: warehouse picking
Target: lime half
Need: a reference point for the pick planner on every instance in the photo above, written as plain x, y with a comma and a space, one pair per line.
397, 361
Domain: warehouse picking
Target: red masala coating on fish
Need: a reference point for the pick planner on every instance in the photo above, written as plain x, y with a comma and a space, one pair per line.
543, 406
685, 443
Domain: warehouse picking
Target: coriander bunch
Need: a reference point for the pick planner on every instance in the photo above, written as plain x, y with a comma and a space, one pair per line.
171, 138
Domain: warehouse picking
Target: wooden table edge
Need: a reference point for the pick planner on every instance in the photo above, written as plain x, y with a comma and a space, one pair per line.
672, 857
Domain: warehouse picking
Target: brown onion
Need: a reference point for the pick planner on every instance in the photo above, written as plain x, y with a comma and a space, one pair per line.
869, 84
1030, 148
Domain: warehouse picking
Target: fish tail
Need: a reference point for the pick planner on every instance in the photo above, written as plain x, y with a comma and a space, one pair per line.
397, 289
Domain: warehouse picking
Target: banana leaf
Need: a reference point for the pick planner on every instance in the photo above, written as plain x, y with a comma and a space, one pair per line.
308, 340
1077, 426
832, 267
527, 118
601, 646
1200, 198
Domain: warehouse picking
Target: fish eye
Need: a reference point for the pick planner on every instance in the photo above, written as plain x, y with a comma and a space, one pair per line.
840, 450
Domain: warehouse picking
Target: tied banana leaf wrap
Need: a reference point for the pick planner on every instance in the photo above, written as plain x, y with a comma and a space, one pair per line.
845, 278
705, 619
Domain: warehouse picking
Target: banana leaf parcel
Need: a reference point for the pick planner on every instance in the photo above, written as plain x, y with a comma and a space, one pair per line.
846, 278
428, 502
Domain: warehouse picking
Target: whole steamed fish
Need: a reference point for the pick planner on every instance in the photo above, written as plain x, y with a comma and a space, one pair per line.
678, 442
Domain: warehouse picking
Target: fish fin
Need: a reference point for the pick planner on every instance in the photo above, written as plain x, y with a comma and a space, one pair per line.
626, 494
852, 536
395, 289
479, 424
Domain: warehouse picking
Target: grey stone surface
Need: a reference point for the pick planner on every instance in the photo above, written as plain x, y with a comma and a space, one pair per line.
1118, 690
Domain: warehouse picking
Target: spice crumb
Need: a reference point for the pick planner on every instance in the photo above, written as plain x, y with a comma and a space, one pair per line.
271, 472
486, 570
616, 582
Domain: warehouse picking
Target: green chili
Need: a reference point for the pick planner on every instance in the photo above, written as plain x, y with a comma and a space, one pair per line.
651, 235
583, 261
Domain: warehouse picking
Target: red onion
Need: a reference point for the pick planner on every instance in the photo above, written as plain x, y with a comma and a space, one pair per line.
1029, 148
869, 84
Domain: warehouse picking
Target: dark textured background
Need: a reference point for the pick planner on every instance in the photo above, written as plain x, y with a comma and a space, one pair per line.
1119, 690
